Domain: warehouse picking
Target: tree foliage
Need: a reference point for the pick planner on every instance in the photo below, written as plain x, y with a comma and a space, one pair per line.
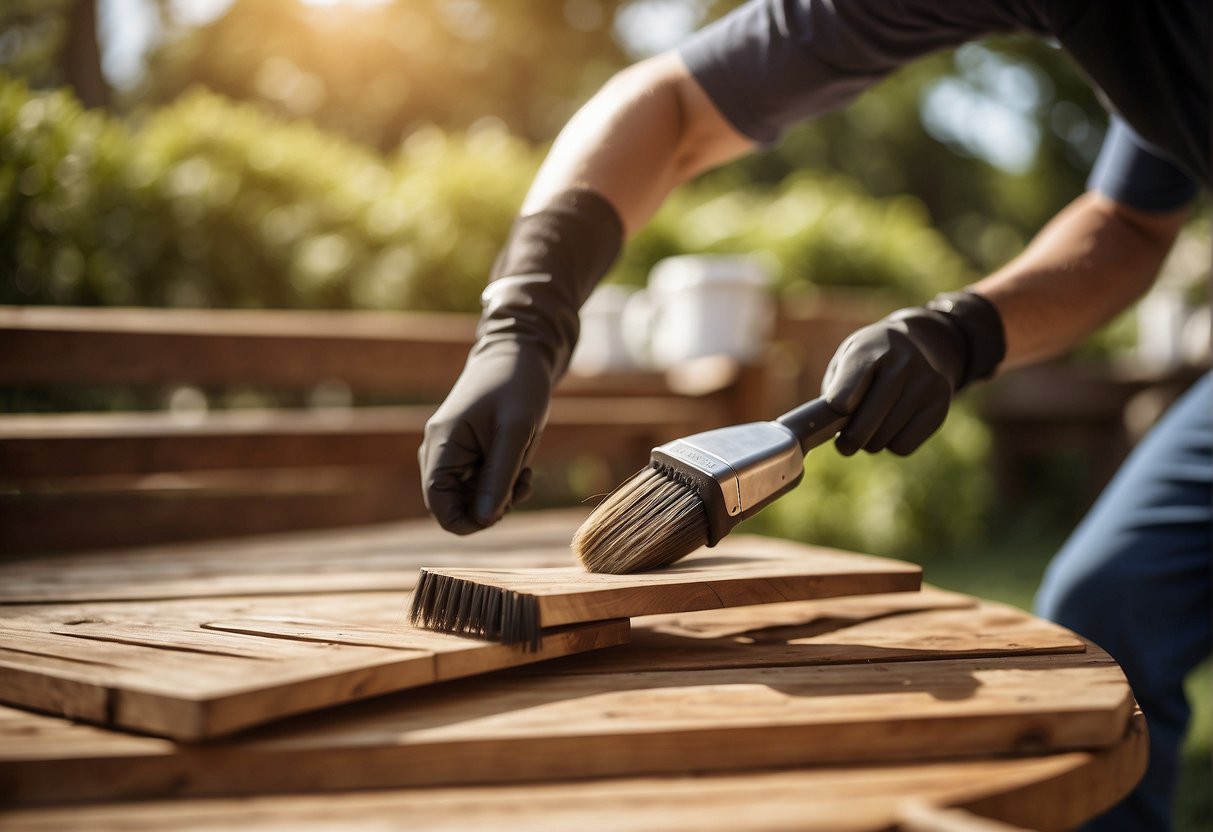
214, 204
211, 203
378, 73
33, 35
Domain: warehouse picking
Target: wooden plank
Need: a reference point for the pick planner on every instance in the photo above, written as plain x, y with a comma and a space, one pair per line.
184, 672
32, 447
383, 610
370, 351
379, 614
367, 559
421, 353
930, 624
36, 447
526, 728
851, 799
742, 572
1072, 795
250, 323
200, 507
822, 615
181, 674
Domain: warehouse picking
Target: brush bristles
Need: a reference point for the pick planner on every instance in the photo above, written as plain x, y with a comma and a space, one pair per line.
454, 605
651, 520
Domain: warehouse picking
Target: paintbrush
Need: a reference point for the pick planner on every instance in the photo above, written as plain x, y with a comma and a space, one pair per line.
696, 489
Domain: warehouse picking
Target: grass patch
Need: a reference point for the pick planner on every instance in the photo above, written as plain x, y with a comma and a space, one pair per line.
1008, 571
1194, 794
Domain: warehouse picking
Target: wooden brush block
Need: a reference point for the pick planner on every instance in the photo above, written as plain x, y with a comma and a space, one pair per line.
740, 571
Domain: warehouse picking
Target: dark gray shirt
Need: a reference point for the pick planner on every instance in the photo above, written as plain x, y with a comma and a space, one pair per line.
772, 63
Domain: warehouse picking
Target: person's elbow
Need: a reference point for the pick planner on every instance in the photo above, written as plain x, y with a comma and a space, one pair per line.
702, 137
1153, 232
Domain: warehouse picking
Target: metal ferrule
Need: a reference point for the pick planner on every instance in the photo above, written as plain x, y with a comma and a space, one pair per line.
749, 462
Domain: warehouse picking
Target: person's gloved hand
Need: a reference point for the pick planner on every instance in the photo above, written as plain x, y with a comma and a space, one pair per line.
478, 443
895, 378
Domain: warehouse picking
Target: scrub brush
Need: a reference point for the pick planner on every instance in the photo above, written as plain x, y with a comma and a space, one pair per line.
696, 489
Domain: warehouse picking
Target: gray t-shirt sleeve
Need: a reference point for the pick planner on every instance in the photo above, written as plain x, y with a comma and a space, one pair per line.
1129, 170
772, 63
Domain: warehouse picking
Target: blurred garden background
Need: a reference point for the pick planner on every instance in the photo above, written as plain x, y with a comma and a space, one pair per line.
300, 154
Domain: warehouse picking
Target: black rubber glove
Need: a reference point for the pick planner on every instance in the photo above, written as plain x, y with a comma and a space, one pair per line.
478, 444
895, 378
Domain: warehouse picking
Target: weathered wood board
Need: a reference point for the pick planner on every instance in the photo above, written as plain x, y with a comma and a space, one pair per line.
901, 626
35, 448
868, 691
741, 571
1048, 792
524, 727
193, 669
370, 559
203, 668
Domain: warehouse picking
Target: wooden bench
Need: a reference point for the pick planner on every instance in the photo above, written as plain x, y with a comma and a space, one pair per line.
88, 480
85, 480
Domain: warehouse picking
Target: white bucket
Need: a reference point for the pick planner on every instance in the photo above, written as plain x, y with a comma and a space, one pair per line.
701, 305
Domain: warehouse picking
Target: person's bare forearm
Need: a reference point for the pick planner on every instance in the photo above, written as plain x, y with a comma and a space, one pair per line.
647, 131
1092, 261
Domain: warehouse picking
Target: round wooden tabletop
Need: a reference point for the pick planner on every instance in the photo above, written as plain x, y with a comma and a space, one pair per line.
868, 712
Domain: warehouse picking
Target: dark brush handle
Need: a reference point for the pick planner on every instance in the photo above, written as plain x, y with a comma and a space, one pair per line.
813, 423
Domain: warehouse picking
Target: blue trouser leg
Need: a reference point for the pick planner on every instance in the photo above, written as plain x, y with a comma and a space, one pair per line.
1135, 579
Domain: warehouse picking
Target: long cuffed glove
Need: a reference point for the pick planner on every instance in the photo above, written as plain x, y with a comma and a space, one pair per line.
479, 442
896, 378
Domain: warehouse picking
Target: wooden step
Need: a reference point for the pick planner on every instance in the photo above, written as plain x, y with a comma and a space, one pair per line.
34, 447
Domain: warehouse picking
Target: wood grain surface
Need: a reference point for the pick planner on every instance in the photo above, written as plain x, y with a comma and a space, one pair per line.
385, 557
525, 727
1051, 792
741, 571
36, 447
893, 627
212, 669
832, 714
373, 351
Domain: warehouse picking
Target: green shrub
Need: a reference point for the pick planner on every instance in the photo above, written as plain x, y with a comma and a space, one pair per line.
210, 203
819, 230
214, 204
56, 217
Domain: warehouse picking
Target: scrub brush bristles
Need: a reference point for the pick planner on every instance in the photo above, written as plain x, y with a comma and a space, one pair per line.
651, 520
454, 605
